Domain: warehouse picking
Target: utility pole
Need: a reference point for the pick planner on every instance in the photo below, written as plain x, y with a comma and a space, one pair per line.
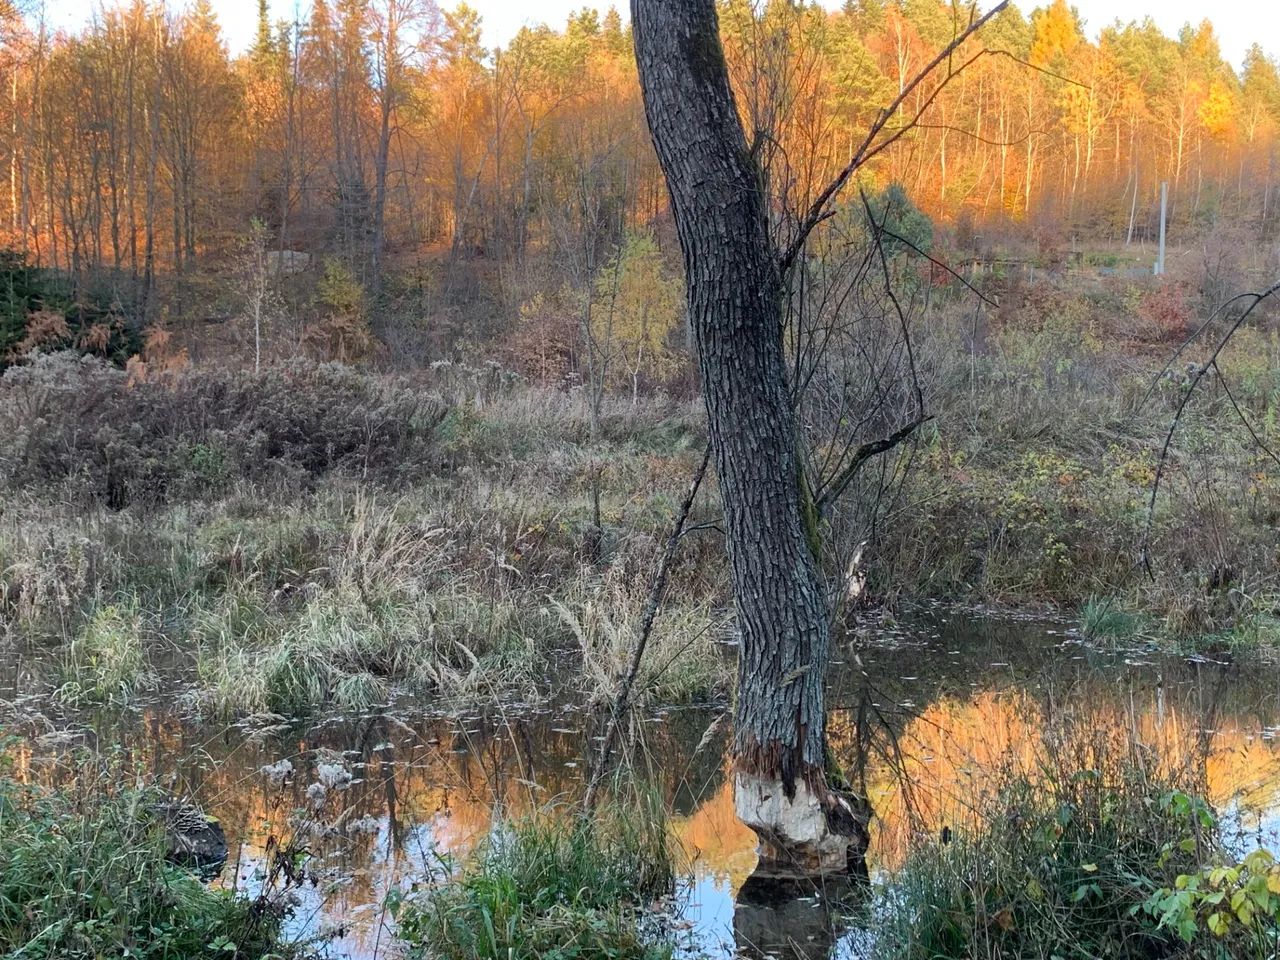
1164, 204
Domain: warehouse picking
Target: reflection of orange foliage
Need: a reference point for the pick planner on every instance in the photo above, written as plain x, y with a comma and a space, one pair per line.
943, 754
715, 837
447, 785
947, 756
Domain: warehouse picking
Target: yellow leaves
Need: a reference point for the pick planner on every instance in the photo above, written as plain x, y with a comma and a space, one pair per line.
1057, 33
1218, 111
1260, 862
1245, 893
636, 308
1242, 907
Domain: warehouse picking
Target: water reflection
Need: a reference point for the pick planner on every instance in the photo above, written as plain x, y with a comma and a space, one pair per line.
794, 919
942, 703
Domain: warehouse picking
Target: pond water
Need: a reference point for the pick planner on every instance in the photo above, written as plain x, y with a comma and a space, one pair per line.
949, 695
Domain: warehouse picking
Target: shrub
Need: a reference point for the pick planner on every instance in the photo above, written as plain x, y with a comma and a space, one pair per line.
84, 875
78, 422
1237, 903
553, 885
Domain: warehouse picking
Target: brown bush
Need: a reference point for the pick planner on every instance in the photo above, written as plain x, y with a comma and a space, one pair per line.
79, 424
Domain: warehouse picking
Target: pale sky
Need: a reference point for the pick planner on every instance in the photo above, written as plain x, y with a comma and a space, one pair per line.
1239, 22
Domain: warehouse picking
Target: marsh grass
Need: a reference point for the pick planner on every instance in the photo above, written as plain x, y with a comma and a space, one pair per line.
84, 875
553, 885
108, 661
1105, 618
1067, 858
682, 662
340, 593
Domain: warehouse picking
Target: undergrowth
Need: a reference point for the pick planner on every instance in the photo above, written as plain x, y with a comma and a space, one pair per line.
1097, 850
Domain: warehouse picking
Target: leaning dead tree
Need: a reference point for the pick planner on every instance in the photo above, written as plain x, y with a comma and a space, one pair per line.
739, 269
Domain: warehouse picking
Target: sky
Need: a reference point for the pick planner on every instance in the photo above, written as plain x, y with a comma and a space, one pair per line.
1239, 22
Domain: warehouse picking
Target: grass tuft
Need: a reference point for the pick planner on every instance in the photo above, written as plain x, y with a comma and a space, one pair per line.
552, 884
107, 663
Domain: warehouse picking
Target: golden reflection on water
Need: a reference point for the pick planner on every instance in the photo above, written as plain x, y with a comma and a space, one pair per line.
943, 757
433, 789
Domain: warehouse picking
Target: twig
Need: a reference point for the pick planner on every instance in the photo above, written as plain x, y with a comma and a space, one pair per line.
652, 605
818, 210
838, 484
864, 453
1186, 343
938, 263
1143, 556
1243, 419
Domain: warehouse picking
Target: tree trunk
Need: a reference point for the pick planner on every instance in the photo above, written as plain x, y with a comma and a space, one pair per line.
735, 300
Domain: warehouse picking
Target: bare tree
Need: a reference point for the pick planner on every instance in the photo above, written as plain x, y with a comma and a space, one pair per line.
403, 31
259, 294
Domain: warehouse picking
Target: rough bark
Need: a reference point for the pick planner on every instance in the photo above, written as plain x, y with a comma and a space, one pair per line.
735, 302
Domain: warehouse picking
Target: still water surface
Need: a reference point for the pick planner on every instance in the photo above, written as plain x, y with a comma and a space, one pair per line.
949, 696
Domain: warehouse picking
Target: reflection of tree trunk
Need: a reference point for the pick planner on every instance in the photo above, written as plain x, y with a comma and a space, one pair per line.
795, 919
394, 828
735, 298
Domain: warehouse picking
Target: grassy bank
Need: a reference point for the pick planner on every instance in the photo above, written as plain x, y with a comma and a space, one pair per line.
85, 874
406, 539
1032, 484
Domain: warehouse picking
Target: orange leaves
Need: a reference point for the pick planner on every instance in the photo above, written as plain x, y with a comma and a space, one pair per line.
161, 358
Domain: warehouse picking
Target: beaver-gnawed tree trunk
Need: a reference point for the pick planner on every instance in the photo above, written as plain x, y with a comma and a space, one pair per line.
735, 301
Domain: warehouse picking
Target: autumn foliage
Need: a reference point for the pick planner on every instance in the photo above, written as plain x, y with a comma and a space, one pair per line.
382, 139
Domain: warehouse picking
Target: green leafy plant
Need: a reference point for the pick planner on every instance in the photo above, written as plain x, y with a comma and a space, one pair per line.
1236, 903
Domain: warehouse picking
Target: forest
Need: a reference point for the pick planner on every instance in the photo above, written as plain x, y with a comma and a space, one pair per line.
462, 184
721, 478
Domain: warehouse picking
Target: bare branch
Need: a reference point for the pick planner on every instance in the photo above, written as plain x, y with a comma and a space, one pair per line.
1262, 445
938, 263
1212, 363
651, 607
838, 484
864, 453
818, 210
1032, 66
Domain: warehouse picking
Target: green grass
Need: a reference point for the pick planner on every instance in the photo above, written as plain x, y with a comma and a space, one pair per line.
1103, 618
108, 662
1085, 856
552, 886
83, 876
